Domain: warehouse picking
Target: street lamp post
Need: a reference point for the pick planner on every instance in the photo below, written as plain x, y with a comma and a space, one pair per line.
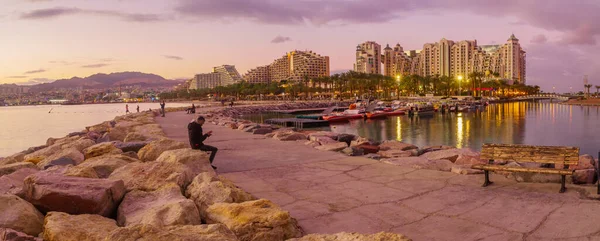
398, 88
459, 85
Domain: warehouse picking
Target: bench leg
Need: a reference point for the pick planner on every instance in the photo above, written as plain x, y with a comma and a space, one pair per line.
562, 184
487, 179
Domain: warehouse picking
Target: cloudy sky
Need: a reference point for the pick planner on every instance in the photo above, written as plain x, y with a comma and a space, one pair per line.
42, 40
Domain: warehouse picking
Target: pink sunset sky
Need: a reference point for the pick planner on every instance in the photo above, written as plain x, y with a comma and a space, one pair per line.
44, 40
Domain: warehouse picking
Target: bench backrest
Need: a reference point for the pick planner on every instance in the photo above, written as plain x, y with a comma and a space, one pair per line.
524, 153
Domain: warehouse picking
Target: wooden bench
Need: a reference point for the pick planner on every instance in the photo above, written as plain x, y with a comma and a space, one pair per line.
523, 153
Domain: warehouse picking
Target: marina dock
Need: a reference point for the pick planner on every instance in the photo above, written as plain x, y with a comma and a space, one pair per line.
297, 123
305, 111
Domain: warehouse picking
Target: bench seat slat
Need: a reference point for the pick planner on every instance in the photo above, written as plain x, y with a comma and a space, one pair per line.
522, 169
526, 153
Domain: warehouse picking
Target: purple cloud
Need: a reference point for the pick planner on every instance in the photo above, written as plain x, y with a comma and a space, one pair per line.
576, 19
539, 39
60, 62
16, 77
173, 57
94, 65
35, 71
280, 39
49, 13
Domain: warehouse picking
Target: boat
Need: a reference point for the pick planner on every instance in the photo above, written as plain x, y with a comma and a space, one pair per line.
343, 116
371, 113
376, 114
422, 110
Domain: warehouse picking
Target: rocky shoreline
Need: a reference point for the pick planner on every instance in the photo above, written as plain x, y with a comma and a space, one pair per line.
125, 180
440, 158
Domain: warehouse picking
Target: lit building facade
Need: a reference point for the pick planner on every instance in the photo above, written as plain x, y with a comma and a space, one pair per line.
229, 75
221, 76
368, 58
12, 89
258, 75
449, 58
295, 66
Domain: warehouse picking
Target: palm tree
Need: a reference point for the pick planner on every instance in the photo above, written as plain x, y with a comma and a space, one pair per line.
476, 80
597, 88
587, 87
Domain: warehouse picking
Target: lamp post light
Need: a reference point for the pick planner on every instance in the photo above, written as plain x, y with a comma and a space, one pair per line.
459, 85
398, 87
553, 89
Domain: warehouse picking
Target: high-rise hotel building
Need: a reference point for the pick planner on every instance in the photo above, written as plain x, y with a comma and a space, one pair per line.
450, 58
368, 58
295, 66
221, 76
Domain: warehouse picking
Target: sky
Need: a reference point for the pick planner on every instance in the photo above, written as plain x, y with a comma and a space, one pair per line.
45, 40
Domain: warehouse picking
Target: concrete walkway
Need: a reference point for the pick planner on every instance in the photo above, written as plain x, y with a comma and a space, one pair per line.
329, 192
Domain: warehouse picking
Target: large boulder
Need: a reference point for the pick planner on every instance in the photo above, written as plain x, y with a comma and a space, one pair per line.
427, 149
396, 145
13, 183
289, 136
393, 153
64, 227
585, 162
406, 161
450, 154
584, 176
69, 156
315, 135
100, 149
468, 160
438, 165
255, 220
213, 232
353, 237
335, 146
10, 168
103, 166
73, 195
121, 129
41, 154
150, 176
100, 128
7, 234
367, 148
196, 161
18, 157
347, 138
153, 150
207, 189
162, 207
77, 171
262, 131
79, 144
18, 214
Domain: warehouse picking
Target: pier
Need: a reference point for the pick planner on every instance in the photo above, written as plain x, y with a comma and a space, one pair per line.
305, 111
297, 122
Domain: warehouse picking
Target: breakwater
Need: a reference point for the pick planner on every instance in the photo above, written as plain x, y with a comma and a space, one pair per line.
123, 180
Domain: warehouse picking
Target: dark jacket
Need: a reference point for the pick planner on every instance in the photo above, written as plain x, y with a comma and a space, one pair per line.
195, 134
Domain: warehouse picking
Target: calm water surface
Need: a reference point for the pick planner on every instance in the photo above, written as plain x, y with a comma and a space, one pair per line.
534, 123
22, 127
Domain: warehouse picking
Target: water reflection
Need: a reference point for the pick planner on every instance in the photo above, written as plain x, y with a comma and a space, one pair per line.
534, 123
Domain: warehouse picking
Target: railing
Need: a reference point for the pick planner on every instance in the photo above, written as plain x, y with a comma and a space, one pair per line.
542, 96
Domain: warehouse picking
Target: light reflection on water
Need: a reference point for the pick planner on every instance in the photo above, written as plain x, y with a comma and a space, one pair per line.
534, 123
22, 127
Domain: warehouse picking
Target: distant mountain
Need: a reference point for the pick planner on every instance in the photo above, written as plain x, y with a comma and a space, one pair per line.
101, 81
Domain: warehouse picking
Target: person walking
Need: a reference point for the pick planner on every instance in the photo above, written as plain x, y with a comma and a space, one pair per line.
126, 109
197, 138
162, 108
138, 108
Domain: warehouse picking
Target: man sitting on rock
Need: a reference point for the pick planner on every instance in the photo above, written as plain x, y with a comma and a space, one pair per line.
197, 138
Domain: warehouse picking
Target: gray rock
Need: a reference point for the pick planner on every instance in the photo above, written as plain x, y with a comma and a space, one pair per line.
61, 161
585, 176
104, 138
373, 156
348, 138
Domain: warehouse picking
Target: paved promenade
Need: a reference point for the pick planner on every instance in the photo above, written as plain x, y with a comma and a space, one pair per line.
329, 192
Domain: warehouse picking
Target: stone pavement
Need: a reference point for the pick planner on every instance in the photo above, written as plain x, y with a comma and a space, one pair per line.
329, 192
